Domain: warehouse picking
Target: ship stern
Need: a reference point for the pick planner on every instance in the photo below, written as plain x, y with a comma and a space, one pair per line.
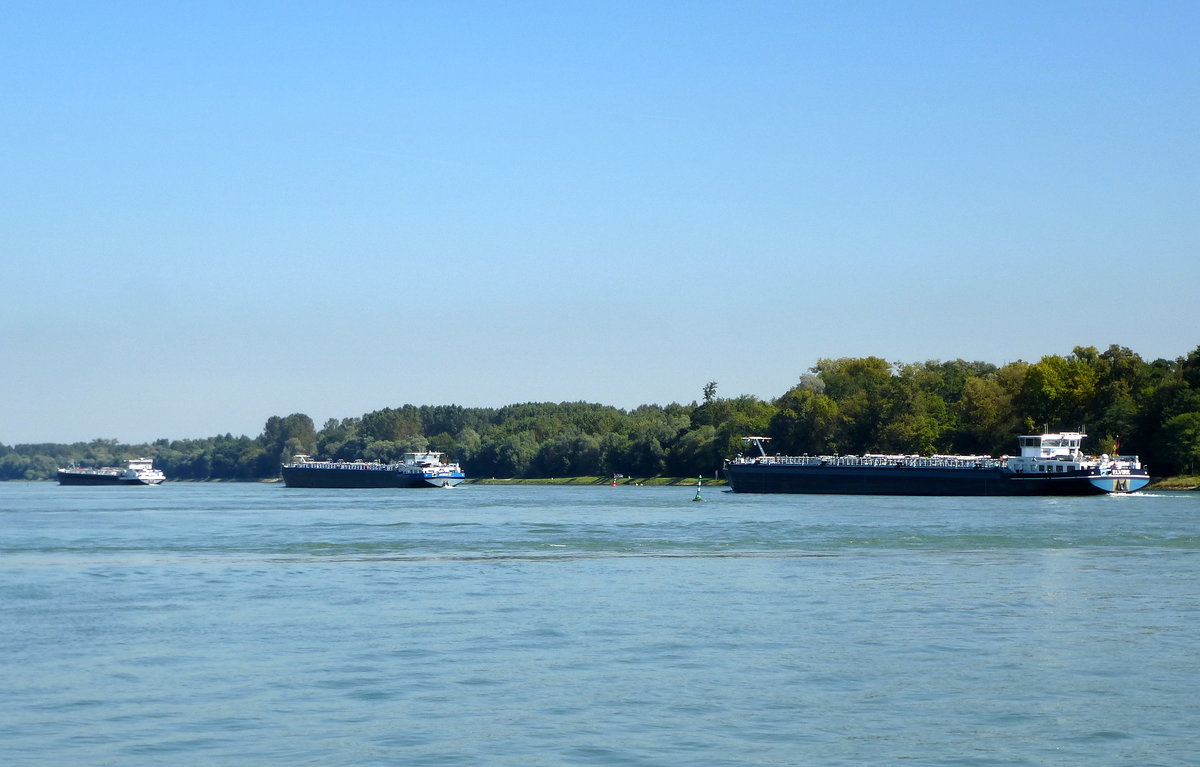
1119, 483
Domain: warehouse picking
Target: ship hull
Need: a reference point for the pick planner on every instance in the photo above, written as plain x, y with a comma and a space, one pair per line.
73, 478
354, 478
882, 480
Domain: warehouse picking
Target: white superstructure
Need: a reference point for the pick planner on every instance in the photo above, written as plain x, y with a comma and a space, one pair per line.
142, 470
1060, 452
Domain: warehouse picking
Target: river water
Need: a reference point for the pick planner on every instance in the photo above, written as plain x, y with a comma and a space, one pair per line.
252, 624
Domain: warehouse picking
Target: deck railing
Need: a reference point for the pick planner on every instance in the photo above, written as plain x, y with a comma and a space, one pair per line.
915, 461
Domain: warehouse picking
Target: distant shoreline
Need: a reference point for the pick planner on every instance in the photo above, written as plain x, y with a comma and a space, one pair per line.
635, 481
580, 481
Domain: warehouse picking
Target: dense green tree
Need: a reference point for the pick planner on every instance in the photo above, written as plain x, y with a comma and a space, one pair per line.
742, 416
282, 438
695, 452
352, 449
504, 455
917, 423
614, 446
41, 466
468, 442
647, 453
569, 454
388, 451
392, 424
13, 465
948, 380
806, 421
1181, 438
986, 417
864, 391
1059, 390
334, 434
1189, 369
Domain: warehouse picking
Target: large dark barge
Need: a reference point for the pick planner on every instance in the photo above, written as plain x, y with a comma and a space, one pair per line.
1049, 464
412, 470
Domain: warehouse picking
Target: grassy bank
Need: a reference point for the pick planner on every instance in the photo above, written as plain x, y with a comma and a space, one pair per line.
1174, 483
638, 481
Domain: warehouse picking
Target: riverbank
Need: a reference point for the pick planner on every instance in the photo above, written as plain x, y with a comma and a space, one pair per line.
1175, 483
636, 481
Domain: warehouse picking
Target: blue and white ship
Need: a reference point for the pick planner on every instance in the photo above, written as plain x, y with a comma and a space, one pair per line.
1049, 464
419, 469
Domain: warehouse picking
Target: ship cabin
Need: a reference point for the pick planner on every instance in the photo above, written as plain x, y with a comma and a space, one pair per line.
1055, 447
422, 459
1049, 452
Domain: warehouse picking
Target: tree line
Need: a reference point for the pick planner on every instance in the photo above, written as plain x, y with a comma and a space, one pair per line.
846, 405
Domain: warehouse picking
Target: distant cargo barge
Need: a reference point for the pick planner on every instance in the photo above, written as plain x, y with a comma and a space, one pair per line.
139, 471
427, 469
1049, 464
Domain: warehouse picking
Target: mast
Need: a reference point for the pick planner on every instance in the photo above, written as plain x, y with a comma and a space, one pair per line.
758, 442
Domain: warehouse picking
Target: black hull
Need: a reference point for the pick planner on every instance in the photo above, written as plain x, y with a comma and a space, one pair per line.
68, 478
882, 480
356, 478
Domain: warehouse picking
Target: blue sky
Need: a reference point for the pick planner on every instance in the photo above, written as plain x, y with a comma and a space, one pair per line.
215, 212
